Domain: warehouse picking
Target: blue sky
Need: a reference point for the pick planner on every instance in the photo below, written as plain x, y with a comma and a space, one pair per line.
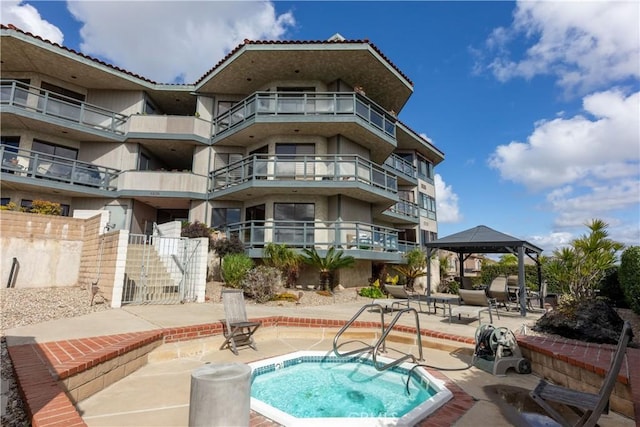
536, 105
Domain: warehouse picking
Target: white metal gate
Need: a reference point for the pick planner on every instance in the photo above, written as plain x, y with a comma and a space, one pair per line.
158, 270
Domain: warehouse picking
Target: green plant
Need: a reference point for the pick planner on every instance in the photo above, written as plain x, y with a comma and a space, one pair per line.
327, 265
284, 259
580, 267
234, 268
414, 268
260, 283
371, 292
45, 208
285, 296
197, 229
629, 276
12, 206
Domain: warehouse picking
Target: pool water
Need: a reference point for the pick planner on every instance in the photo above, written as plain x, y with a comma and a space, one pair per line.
304, 388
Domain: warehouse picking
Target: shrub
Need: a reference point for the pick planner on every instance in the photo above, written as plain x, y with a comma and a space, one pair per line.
629, 277
374, 291
224, 247
197, 229
285, 296
260, 283
12, 206
610, 288
234, 268
45, 208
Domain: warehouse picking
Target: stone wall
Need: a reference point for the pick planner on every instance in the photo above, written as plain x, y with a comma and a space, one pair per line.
48, 249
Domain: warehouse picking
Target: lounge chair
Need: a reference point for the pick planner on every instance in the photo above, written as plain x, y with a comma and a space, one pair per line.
399, 296
466, 283
472, 304
239, 330
498, 291
589, 405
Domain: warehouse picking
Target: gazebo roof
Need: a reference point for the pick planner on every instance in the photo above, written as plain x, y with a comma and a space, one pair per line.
482, 239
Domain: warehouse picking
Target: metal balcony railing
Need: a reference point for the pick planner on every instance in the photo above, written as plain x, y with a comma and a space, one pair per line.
319, 234
401, 166
306, 103
33, 99
406, 209
292, 167
34, 164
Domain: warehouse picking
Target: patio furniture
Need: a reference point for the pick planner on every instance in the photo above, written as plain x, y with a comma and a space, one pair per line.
399, 296
472, 304
442, 301
466, 283
499, 292
589, 405
239, 330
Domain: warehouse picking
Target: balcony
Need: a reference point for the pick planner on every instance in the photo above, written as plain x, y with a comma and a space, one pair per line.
361, 240
405, 170
403, 212
169, 127
325, 114
33, 102
323, 175
162, 184
25, 166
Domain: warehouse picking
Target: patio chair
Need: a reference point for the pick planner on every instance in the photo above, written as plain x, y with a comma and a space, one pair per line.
472, 304
399, 296
590, 405
498, 291
239, 330
466, 283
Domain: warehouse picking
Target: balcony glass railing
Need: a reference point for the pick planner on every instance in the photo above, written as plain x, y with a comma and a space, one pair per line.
33, 164
291, 167
401, 166
306, 103
34, 99
320, 235
406, 209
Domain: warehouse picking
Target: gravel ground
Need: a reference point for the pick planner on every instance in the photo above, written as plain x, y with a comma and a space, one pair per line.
21, 307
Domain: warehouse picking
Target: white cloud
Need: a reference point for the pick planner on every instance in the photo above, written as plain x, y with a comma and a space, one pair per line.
446, 202
551, 241
586, 45
27, 18
173, 41
604, 143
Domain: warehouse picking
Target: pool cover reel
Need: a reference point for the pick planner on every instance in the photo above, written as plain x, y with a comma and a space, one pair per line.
497, 350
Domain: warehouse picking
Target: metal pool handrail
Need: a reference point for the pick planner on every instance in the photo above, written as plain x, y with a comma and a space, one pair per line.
383, 338
349, 323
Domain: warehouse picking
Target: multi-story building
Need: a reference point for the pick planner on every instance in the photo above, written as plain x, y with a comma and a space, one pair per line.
291, 142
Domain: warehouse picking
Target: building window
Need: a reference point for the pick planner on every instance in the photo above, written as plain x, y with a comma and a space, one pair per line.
222, 217
427, 236
294, 223
4, 201
10, 146
427, 206
54, 150
61, 93
144, 162
425, 169
286, 155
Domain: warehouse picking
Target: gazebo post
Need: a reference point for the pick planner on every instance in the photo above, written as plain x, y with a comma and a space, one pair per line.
522, 293
428, 271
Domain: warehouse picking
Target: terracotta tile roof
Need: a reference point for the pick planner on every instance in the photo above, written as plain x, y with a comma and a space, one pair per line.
292, 42
222, 61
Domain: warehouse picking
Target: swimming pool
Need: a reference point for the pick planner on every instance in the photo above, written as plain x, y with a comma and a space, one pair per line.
313, 388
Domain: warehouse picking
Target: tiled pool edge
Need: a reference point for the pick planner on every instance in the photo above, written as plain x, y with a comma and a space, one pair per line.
41, 367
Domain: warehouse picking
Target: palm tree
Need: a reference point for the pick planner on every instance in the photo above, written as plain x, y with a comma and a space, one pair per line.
284, 259
414, 268
580, 267
327, 265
